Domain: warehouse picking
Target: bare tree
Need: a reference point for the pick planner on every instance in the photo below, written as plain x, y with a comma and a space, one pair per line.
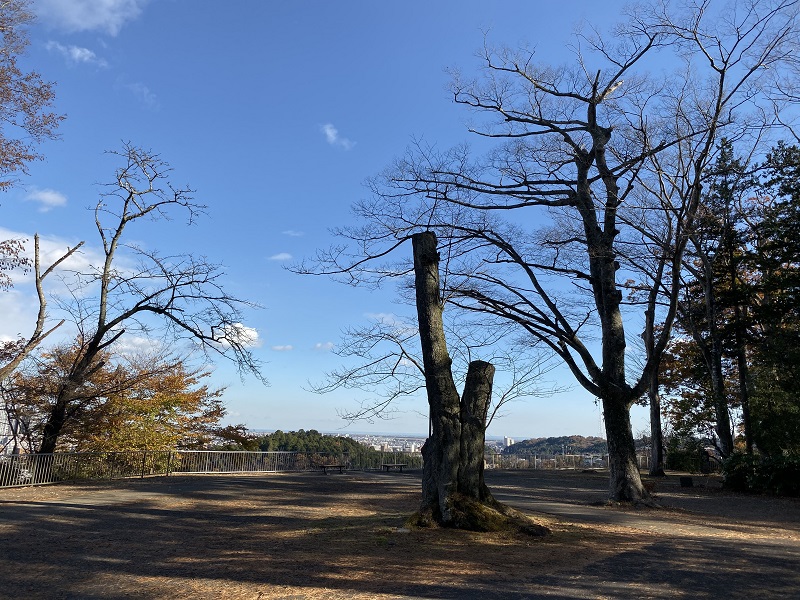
385, 360
611, 156
13, 353
180, 297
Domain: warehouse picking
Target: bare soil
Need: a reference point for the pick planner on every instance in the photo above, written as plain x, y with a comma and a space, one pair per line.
309, 535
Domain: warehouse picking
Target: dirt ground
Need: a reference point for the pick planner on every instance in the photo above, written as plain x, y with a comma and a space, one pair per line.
309, 535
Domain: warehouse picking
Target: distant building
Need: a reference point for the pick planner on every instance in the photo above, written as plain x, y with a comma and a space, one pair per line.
507, 441
6, 434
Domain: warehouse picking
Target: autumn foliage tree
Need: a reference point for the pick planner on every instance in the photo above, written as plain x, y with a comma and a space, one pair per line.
172, 409
125, 402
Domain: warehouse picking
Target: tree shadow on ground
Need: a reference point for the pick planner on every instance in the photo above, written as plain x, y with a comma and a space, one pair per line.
312, 536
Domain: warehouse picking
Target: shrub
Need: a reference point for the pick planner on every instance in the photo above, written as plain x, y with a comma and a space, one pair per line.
684, 454
763, 474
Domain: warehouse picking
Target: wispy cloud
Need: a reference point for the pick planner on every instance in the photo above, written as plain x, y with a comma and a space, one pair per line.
48, 199
293, 233
286, 348
108, 16
324, 346
281, 256
144, 94
75, 54
385, 318
334, 139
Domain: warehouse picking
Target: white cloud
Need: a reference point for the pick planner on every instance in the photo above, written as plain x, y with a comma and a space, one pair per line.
143, 94
51, 248
281, 256
19, 314
63, 280
138, 345
293, 233
324, 346
47, 198
76, 55
286, 348
334, 139
241, 334
107, 16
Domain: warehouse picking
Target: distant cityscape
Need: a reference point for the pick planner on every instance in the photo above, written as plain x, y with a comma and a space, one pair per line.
408, 443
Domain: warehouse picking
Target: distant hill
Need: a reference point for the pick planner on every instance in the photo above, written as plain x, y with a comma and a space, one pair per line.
568, 444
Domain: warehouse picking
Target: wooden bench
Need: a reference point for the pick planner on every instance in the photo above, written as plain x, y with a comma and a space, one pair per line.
326, 467
399, 466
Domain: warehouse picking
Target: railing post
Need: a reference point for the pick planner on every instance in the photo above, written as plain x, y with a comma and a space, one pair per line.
144, 461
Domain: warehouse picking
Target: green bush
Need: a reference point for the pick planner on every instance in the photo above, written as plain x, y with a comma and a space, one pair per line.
686, 454
763, 474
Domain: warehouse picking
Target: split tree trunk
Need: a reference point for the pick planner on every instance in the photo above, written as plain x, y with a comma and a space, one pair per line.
453, 453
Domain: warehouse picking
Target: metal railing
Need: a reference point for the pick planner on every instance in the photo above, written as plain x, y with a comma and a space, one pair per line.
37, 469
556, 461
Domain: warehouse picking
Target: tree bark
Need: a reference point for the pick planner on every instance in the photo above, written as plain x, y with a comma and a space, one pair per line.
453, 453
474, 409
56, 419
656, 432
714, 358
625, 484
442, 450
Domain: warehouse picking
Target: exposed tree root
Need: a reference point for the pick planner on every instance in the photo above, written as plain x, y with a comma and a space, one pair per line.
473, 515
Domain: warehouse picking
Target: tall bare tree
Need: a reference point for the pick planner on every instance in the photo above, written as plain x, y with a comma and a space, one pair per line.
180, 296
590, 183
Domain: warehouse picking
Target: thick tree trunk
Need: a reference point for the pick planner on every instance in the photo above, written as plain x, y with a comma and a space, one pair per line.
453, 489
721, 413
52, 428
625, 483
442, 451
714, 359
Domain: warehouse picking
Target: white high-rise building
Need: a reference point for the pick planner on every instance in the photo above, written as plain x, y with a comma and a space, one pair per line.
507, 441
6, 434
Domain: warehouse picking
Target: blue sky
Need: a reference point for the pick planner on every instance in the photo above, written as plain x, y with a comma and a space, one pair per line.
276, 113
